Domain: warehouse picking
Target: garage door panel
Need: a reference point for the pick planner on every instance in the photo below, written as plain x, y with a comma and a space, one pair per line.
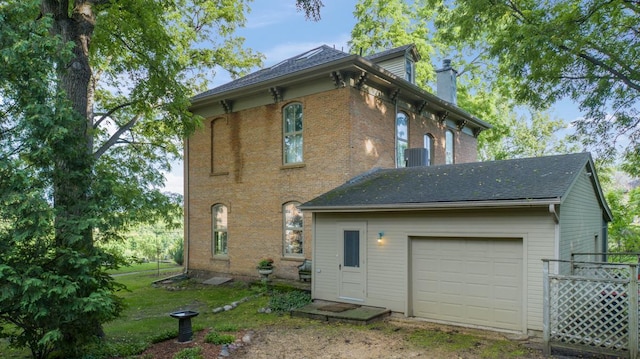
468, 281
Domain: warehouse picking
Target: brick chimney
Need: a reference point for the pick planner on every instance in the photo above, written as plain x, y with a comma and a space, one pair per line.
446, 82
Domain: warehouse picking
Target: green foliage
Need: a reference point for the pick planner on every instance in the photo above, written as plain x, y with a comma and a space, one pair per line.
177, 251
625, 208
216, 338
383, 24
226, 327
583, 50
281, 302
164, 335
189, 353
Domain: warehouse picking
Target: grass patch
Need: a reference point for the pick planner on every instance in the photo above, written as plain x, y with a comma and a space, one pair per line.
456, 342
141, 267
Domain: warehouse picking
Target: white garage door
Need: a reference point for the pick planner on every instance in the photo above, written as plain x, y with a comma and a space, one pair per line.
468, 281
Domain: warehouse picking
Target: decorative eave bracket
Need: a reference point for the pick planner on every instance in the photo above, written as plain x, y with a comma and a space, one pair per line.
338, 78
360, 80
420, 105
442, 116
460, 124
276, 93
227, 105
394, 94
476, 132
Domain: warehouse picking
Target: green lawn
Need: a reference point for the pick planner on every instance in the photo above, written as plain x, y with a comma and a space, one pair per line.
146, 318
150, 266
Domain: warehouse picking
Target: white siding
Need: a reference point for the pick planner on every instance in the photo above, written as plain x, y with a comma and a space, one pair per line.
387, 262
395, 66
580, 220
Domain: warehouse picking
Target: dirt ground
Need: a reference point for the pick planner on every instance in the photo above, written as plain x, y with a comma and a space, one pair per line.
389, 340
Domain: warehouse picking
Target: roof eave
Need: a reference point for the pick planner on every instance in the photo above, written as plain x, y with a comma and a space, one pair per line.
297, 76
545, 202
355, 61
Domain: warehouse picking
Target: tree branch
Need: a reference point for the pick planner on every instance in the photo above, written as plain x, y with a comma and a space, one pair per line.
110, 112
116, 136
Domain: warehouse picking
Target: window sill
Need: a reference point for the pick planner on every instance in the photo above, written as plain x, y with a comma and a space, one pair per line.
293, 259
292, 166
222, 258
213, 174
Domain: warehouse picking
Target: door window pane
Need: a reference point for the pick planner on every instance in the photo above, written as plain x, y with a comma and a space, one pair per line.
352, 249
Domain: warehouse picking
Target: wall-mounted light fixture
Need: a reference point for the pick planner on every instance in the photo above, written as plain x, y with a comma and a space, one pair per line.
380, 234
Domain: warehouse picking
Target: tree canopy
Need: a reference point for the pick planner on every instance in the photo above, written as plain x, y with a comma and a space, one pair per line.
586, 51
94, 99
383, 24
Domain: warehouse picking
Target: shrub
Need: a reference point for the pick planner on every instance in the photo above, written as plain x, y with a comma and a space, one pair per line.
189, 353
219, 339
281, 302
177, 252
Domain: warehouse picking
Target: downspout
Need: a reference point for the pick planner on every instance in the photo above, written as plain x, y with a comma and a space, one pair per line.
395, 132
556, 240
187, 204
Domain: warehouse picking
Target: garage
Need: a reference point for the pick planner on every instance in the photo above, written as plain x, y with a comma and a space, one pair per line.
460, 244
468, 281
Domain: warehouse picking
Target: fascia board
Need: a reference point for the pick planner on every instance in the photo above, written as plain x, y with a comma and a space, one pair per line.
543, 203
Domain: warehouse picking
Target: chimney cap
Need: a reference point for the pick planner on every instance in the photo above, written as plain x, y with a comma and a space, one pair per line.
446, 63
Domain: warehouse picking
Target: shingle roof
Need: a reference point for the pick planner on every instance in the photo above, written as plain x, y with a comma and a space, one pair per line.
524, 179
318, 56
384, 53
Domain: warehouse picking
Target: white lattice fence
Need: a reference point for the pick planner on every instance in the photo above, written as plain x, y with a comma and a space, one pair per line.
592, 308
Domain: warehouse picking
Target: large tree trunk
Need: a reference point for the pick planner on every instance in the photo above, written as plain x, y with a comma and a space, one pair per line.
72, 174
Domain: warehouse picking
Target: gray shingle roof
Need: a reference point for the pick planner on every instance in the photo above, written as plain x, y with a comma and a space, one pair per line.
525, 179
395, 50
318, 56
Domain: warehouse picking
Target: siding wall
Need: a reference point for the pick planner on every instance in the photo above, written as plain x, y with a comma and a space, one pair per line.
581, 220
387, 263
395, 66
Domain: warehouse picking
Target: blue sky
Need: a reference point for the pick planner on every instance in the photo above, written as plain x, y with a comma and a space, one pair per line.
276, 29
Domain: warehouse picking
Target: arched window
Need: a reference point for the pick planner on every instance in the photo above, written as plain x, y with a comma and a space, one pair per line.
293, 243
219, 230
428, 144
402, 138
292, 137
449, 149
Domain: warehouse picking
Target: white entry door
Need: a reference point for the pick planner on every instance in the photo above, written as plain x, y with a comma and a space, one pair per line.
351, 263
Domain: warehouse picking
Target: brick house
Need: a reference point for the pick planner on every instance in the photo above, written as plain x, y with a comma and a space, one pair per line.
283, 135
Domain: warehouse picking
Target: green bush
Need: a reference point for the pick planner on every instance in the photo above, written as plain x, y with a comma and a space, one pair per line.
189, 353
219, 339
164, 335
281, 302
177, 252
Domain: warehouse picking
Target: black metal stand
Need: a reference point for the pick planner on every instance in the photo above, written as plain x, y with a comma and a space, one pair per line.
185, 333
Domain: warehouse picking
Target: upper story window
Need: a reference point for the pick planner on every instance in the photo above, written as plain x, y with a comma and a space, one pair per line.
410, 70
429, 145
292, 127
449, 149
219, 229
402, 138
293, 244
